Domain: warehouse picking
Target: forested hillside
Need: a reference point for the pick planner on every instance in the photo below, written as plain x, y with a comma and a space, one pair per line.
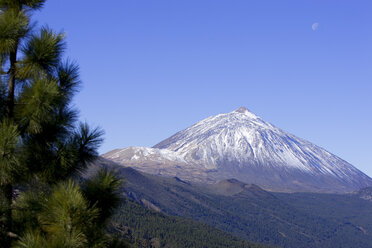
247, 211
142, 227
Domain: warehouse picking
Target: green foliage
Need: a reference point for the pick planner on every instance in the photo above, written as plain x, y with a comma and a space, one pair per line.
14, 25
27, 206
31, 239
68, 77
63, 218
103, 191
42, 147
66, 212
87, 141
9, 164
21, 4
41, 96
144, 228
42, 53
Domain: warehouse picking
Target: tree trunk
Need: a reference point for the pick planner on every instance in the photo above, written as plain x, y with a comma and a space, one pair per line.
12, 82
7, 189
6, 216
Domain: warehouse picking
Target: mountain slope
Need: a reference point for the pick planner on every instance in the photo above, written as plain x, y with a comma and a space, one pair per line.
242, 145
247, 211
160, 230
160, 162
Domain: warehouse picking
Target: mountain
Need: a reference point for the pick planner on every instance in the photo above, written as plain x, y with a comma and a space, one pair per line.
243, 146
244, 210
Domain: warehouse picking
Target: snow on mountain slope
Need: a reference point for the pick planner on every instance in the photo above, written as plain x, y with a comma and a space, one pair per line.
242, 145
159, 162
134, 154
244, 138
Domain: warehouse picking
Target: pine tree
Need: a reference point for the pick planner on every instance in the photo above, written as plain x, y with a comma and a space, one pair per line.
41, 148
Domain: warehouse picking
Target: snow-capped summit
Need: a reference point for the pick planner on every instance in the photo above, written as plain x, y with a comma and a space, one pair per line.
242, 145
240, 137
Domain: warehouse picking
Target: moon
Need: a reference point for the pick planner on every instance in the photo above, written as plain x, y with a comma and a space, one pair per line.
315, 26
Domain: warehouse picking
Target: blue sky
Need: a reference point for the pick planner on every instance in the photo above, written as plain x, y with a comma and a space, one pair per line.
152, 68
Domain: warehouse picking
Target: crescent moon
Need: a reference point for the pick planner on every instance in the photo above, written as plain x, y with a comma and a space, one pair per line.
315, 26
